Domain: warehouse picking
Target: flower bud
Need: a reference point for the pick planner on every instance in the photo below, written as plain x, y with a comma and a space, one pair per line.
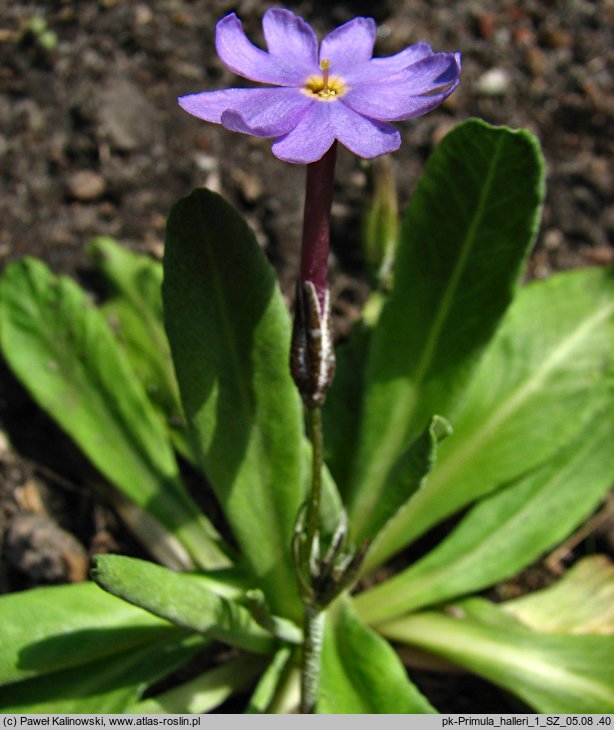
381, 224
312, 355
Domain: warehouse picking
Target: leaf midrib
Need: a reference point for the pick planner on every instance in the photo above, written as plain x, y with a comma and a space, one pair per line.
466, 248
521, 393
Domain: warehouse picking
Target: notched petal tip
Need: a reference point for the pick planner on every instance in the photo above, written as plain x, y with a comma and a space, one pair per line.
240, 55
284, 16
350, 44
291, 38
227, 18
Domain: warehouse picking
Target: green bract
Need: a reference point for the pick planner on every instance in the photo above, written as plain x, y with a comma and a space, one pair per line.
460, 391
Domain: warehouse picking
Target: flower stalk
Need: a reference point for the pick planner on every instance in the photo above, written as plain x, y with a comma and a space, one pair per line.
314, 422
316, 222
312, 358
321, 577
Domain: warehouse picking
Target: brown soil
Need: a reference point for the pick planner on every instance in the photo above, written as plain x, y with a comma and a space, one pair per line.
92, 142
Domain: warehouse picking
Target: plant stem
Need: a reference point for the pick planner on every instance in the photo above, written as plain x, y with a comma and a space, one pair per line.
313, 628
316, 436
312, 363
316, 222
313, 618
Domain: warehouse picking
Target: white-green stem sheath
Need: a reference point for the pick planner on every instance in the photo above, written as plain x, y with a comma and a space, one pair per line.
313, 628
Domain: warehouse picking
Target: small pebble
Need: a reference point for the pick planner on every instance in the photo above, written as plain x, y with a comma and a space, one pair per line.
249, 186
86, 185
553, 238
494, 82
142, 14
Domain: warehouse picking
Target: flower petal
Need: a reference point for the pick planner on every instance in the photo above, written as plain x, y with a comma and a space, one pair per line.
210, 105
291, 39
415, 91
310, 139
429, 74
349, 44
381, 68
272, 115
364, 137
403, 59
241, 56
399, 108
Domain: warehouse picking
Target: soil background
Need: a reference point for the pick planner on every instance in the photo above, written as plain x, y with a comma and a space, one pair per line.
92, 142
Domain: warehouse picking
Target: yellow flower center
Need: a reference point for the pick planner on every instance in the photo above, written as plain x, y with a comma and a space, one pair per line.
324, 87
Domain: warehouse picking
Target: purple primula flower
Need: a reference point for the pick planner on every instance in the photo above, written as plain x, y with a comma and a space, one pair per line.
339, 93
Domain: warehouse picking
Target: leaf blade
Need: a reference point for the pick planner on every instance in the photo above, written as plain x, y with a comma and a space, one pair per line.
39, 628
582, 601
109, 685
361, 673
135, 310
406, 477
205, 692
181, 598
553, 674
457, 268
546, 375
229, 333
61, 348
507, 530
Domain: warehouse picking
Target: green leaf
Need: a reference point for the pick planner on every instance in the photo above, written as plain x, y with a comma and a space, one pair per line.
546, 377
108, 685
205, 692
134, 310
61, 348
581, 602
361, 673
551, 673
78, 649
507, 530
407, 476
48, 629
471, 222
343, 402
274, 676
230, 336
184, 599
341, 411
